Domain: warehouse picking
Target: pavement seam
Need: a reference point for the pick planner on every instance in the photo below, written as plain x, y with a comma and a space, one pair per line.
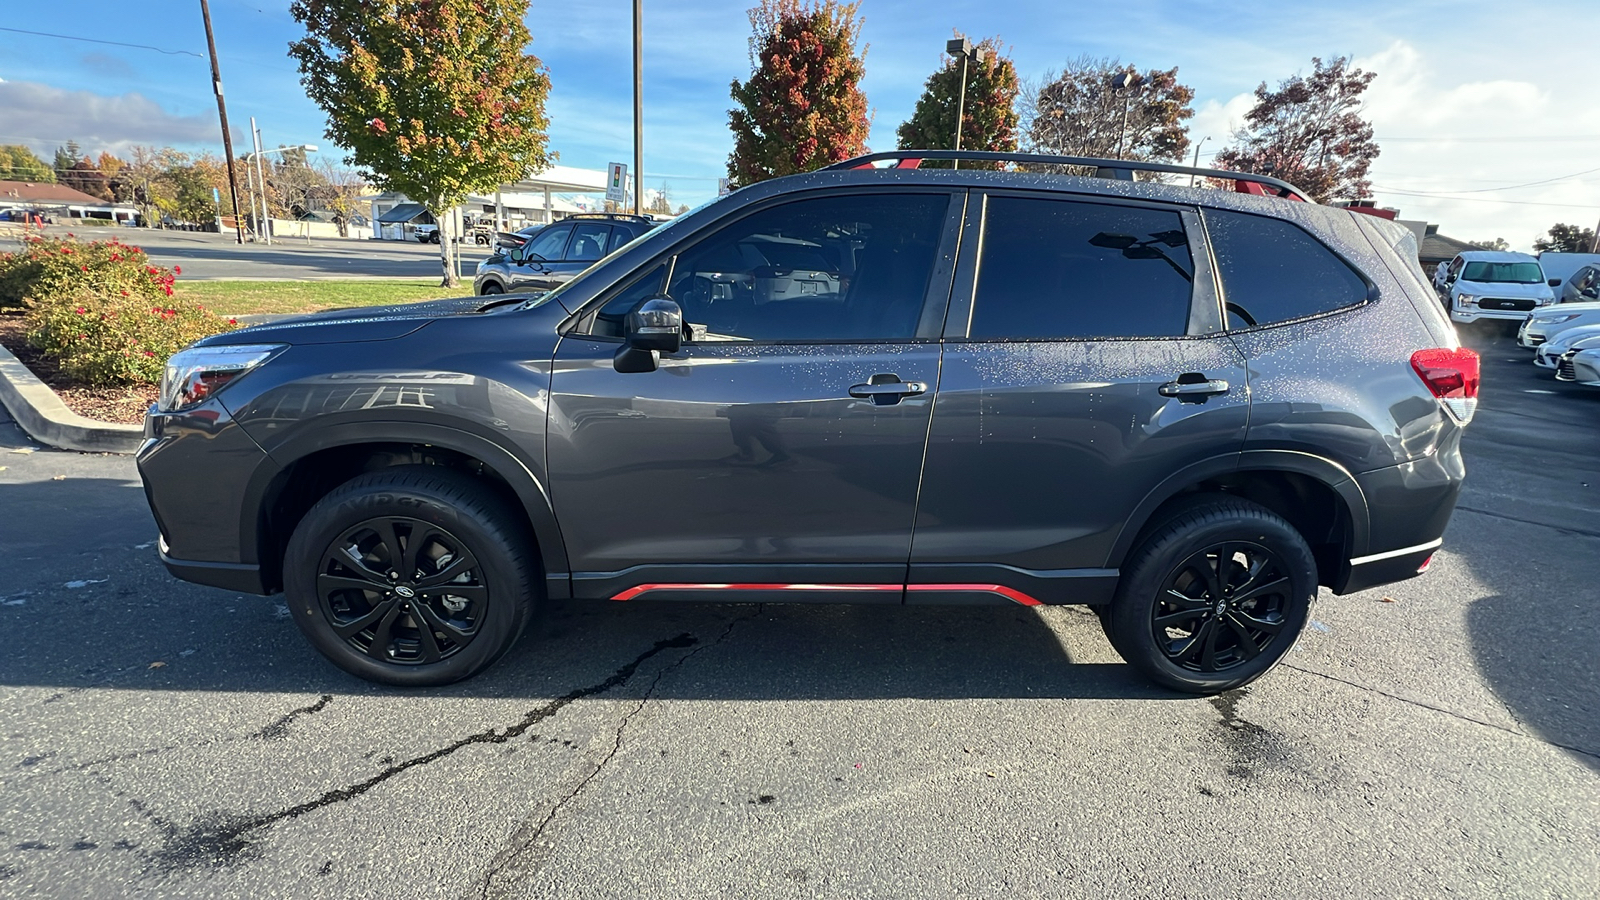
1580, 532
518, 846
1449, 712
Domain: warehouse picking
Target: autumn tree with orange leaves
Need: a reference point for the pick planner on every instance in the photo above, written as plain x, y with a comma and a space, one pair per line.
435, 99
802, 107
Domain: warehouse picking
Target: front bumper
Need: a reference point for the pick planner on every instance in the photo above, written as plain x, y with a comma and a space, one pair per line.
244, 578
1468, 316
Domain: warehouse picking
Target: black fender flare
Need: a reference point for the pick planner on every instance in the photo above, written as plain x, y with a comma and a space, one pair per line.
1324, 470
516, 472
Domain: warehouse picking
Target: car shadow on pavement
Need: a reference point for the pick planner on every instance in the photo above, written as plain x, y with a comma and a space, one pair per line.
1527, 530
82, 581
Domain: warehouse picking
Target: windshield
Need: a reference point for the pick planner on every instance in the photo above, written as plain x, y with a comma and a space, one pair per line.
1503, 273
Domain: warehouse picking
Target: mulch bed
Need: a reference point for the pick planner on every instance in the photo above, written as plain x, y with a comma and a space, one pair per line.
123, 403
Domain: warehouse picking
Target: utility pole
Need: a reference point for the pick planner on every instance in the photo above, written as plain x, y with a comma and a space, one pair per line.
638, 107
222, 111
261, 179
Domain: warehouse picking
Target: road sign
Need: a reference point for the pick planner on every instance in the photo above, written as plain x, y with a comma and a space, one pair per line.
617, 182
216, 196
724, 187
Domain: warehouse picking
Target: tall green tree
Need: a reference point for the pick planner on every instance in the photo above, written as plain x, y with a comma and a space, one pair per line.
67, 157
17, 163
1310, 133
1562, 238
1079, 112
802, 107
988, 117
435, 99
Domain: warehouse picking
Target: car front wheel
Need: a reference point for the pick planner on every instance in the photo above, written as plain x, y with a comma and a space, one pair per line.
1214, 597
414, 576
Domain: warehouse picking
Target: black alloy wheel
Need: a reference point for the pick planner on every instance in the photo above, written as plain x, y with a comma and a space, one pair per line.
1221, 607
1213, 597
402, 591
414, 575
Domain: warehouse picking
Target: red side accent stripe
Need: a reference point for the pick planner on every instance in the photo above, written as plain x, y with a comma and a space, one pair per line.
1011, 594
633, 592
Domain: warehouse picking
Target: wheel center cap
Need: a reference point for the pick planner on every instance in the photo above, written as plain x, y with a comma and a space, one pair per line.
404, 591
1222, 605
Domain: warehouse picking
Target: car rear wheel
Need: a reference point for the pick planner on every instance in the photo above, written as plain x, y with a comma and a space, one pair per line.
1214, 597
414, 576
492, 287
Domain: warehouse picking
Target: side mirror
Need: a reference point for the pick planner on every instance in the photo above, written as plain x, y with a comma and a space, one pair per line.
1554, 282
655, 327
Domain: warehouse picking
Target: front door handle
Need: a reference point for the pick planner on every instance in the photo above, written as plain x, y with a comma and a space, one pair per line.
1193, 386
885, 390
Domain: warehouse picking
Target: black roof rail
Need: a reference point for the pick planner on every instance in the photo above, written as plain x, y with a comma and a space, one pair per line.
608, 215
1120, 169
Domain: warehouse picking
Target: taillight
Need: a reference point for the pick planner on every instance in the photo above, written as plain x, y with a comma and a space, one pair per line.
1452, 376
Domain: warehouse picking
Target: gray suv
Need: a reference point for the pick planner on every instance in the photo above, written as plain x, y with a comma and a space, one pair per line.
553, 255
876, 383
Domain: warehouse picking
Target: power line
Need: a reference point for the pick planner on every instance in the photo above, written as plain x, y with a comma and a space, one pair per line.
1511, 187
68, 37
1484, 199
1445, 139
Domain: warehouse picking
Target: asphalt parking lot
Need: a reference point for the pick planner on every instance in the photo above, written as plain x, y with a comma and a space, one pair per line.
209, 257
1439, 737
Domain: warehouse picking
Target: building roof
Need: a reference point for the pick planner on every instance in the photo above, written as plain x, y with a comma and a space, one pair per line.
405, 212
1438, 248
49, 195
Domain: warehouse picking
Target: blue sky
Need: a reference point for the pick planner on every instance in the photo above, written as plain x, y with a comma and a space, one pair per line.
1471, 99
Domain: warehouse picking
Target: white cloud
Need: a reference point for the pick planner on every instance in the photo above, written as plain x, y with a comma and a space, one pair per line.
44, 117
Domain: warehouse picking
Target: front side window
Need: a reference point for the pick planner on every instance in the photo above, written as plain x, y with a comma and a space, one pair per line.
845, 268
548, 245
1273, 271
1062, 269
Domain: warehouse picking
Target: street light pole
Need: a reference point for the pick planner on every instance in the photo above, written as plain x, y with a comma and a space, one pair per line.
638, 107
1126, 84
222, 113
963, 48
1196, 163
261, 179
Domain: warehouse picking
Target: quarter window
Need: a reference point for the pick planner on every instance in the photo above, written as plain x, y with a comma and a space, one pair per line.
1273, 271
1061, 269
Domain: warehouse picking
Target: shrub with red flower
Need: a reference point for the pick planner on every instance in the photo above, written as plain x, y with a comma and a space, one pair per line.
101, 309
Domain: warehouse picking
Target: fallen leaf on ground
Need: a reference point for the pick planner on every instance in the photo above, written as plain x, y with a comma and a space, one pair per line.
1387, 600
22, 450
158, 664
59, 478
991, 774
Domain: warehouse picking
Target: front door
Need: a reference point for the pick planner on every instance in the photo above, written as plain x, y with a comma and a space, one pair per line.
536, 265
1084, 365
782, 447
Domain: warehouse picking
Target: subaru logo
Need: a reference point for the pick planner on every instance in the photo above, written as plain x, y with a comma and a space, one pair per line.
1222, 605
404, 591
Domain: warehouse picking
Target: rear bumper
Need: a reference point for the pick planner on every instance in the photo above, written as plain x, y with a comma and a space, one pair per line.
1389, 567
1409, 507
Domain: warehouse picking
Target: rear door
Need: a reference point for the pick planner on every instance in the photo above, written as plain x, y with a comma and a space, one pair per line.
1084, 365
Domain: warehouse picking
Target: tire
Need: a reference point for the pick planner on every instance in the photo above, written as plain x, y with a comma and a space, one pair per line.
492, 287
474, 578
1200, 646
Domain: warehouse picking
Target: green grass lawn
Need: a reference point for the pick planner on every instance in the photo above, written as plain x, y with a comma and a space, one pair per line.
237, 298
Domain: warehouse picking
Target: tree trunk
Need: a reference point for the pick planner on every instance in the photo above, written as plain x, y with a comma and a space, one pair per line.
446, 249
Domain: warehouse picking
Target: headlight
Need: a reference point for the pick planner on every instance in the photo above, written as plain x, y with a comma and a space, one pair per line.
1554, 320
1466, 299
194, 374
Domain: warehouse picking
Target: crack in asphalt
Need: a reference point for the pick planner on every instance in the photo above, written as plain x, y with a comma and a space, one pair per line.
1581, 532
279, 729
1449, 712
218, 839
514, 862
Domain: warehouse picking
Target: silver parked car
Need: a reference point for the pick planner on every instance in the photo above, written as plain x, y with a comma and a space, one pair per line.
1545, 324
1581, 363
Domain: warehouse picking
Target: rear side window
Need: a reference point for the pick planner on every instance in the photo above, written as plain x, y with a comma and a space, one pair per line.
588, 242
1272, 271
1060, 269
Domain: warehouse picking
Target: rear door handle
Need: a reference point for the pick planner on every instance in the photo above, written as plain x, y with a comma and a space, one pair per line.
1206, 388
885, 390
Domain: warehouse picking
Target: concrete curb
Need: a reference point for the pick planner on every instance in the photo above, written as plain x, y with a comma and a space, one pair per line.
47, 420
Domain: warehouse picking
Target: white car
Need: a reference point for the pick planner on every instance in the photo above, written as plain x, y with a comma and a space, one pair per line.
1543, 325
1491, 284
1549, 352
1581, 363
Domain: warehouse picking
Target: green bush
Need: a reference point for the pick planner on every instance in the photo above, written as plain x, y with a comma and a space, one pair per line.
100, 309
